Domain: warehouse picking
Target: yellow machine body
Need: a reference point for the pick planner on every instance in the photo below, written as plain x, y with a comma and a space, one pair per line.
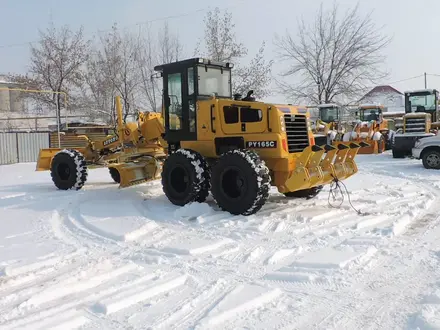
282, 136
201, 119
134, 152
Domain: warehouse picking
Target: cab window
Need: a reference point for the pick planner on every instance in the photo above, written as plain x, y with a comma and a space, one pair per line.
247, 115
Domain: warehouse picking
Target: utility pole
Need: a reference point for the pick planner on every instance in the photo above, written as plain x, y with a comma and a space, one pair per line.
426, 83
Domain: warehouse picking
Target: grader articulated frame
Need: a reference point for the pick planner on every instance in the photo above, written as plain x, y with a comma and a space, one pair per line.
208, 141
133, 155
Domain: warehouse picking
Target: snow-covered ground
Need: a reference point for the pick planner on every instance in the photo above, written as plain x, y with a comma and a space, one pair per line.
109, 258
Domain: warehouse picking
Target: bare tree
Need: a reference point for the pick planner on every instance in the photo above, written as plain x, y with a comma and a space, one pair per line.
169, 45
220, 44
55, 64
113, 70
151, 52
99, 90
333, 58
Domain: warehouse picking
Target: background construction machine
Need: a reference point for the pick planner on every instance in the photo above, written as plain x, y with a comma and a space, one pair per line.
420, 120
371, 128
378, 130
238, 148
328, 124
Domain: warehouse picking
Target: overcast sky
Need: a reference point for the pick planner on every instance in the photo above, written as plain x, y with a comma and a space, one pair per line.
412, 24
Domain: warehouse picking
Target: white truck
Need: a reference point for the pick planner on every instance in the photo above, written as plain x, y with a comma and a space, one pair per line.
428, 150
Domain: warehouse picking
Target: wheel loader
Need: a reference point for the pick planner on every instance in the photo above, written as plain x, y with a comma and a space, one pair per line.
328, 126
237, 147
371, 128
209, 141
421, 119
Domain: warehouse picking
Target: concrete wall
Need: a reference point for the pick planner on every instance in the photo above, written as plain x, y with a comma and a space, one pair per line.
9, 100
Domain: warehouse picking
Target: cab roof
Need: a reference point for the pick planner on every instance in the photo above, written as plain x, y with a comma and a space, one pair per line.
192, 62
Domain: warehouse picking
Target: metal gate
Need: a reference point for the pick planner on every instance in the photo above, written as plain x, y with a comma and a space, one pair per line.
22, 147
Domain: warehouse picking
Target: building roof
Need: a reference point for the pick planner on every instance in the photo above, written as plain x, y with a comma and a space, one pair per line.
382, 89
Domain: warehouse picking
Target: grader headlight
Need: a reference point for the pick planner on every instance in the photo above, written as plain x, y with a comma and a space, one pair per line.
282, 124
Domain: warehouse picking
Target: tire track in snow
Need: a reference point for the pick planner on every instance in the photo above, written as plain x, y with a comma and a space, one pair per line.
80, 289
365, 281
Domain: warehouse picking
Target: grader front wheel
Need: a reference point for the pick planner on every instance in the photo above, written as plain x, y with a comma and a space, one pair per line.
68, 170
185, 177
240, 182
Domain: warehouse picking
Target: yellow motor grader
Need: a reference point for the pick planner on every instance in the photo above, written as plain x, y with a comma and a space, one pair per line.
133, 155
234, 147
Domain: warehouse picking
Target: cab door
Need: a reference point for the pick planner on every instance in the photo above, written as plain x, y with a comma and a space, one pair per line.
179, 104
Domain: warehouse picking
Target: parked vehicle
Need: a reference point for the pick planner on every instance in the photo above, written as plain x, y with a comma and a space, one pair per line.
428, 150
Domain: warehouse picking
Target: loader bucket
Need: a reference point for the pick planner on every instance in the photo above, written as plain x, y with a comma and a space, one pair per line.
135, 173
314, 170
326, 164
372, 148
45, 158
350, 165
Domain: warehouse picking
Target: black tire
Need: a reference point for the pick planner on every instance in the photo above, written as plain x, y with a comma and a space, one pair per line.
304, 193
69, 170
398, 153
240, 182
185, 177
114, 173
381, 144
388, 145
431, 159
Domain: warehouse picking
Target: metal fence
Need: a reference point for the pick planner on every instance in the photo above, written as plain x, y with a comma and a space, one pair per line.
22, 147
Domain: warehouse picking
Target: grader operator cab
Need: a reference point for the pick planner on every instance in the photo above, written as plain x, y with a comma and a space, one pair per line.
238, 148
420, 120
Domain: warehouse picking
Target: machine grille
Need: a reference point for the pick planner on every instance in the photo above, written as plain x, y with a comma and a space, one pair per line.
415, 125
297, 132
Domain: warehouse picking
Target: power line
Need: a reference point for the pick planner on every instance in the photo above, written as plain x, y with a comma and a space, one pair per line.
406, 79
164, 18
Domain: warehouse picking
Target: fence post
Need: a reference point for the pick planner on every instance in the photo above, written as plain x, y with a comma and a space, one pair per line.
16, 145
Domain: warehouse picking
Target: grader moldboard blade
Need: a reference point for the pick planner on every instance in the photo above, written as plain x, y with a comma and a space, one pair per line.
314, 170
134, 173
